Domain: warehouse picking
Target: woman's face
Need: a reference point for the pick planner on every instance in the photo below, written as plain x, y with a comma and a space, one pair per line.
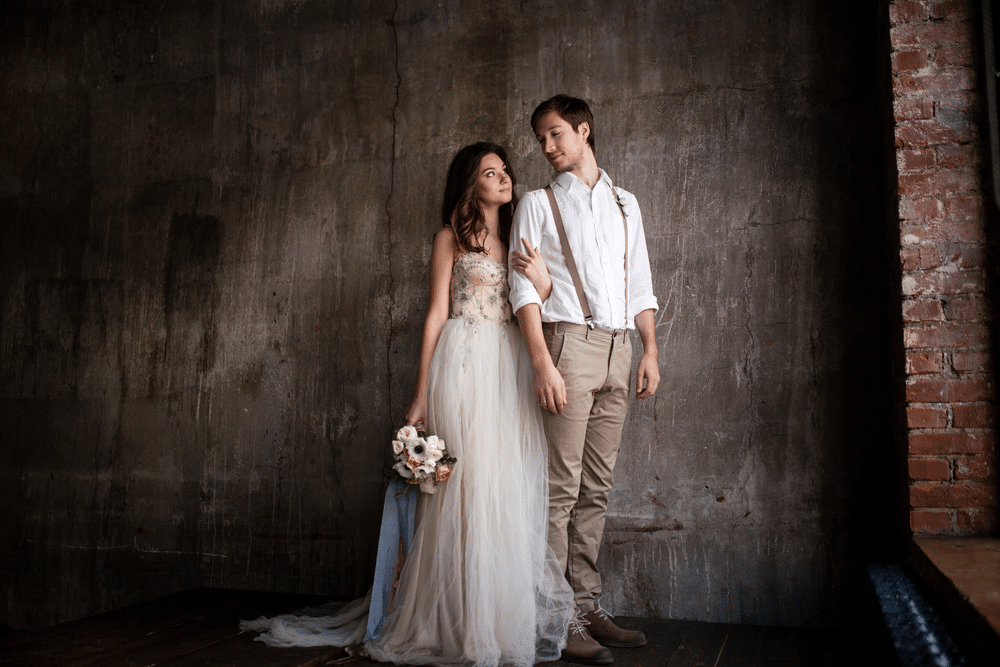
493, 184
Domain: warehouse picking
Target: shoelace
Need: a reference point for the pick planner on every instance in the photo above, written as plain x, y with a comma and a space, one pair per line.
576, 625
604, 613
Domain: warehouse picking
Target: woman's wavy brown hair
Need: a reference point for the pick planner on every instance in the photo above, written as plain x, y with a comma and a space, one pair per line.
461, 208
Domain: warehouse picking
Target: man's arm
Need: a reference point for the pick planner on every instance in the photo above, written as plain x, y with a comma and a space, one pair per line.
550, 388
647, 375
526, 226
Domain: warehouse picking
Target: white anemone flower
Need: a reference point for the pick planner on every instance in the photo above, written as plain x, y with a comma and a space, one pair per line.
417, 448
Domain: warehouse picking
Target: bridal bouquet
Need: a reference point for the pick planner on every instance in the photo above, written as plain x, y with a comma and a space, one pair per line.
421, 460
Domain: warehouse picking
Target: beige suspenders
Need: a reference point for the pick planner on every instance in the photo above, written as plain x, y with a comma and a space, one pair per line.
571, 263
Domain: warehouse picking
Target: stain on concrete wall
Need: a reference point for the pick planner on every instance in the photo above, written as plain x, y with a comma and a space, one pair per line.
218, 222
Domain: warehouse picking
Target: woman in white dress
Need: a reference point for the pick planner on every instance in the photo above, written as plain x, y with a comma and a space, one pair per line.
479, 585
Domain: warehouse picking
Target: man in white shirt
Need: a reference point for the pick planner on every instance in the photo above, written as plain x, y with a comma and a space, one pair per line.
581, 369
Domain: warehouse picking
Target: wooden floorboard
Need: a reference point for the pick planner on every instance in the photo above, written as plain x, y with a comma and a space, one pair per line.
700, 646
746, 646
201, 629
147, 634
241, 650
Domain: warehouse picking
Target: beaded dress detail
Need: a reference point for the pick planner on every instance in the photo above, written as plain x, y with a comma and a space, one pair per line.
479, 289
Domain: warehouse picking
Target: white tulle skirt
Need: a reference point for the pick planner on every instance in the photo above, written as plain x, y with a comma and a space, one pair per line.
480, 585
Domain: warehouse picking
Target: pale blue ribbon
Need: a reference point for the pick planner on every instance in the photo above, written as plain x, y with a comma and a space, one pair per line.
397, 523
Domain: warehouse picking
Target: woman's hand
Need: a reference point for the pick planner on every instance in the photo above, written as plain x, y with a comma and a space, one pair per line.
416, 414
532, 266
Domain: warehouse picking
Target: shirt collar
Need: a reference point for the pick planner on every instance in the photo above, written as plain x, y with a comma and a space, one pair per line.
567, 181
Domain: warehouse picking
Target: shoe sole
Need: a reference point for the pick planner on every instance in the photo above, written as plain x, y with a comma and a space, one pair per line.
617, 645
614, 644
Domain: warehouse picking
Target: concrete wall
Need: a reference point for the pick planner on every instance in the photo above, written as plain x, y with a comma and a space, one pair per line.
217, 225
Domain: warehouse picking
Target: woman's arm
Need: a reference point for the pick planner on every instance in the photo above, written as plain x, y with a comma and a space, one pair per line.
532, 266
442, 259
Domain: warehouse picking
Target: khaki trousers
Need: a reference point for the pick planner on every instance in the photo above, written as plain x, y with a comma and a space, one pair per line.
583, 444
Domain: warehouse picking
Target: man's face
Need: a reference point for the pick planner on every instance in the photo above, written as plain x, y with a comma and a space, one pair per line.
564, 148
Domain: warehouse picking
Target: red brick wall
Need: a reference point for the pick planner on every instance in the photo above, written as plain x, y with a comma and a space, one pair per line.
941, 156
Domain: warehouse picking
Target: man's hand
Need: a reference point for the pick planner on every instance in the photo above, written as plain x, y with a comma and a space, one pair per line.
550, 388
647, 376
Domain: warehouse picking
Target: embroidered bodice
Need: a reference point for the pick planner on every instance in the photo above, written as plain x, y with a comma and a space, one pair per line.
479, 289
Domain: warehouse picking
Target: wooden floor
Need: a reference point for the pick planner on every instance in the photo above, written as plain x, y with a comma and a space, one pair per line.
200, 627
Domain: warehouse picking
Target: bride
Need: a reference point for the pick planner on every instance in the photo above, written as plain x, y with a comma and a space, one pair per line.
479, 584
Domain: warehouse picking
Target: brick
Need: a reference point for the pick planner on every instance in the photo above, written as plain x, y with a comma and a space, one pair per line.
945, 335
919, 259
906, 84
967, 309
951, 495
937, 33
913, 108
964, 207
920, 363
903, 61
974, 469
907, 12
965, 127
923, 133
937, 283
971, 361
931, 521
937, 182
919, 390
928, 444
933, 470
926, 208
951, 9
926, 417
916, 160
931, 231
978, 389
966, 256
978, 521
956, 157
957, 103
953, 56
922, 310
972, 415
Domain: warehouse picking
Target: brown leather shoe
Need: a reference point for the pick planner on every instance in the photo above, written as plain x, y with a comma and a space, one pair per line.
607, 633
581, 647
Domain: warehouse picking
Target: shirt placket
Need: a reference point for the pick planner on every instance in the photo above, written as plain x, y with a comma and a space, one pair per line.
598, 216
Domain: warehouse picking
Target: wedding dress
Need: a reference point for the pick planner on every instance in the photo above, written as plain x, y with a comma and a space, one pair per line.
479, 586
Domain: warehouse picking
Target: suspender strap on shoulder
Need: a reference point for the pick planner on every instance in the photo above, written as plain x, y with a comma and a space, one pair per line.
568, 254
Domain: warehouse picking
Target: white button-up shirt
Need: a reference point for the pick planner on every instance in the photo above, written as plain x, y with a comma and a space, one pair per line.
596, 236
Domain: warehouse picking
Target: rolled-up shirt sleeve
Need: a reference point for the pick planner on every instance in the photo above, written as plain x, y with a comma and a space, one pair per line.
640, 281
529, 219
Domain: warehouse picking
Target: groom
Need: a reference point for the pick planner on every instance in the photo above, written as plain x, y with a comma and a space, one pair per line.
581, 350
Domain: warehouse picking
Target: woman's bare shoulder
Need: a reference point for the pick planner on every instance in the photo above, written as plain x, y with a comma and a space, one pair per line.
445, 240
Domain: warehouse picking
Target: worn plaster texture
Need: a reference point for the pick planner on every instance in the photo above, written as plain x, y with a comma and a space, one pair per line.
217, 226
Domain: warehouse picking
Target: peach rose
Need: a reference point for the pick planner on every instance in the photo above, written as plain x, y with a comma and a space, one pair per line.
406, 433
